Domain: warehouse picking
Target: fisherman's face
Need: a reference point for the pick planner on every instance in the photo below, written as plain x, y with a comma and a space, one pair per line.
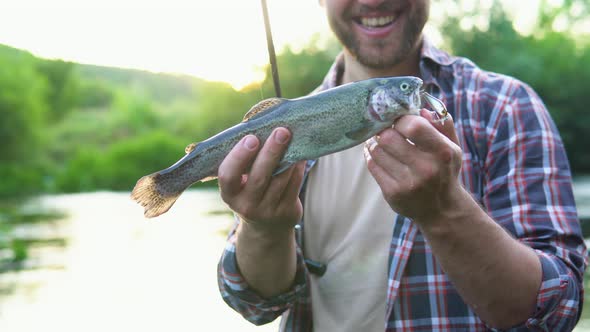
379, 33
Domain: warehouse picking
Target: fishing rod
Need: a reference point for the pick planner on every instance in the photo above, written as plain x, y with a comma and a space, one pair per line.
314, 267
271, 51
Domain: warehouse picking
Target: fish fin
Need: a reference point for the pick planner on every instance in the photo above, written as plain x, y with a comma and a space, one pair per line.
262, 107
360, 133
190, 148
283, 166
147, 194
209, 178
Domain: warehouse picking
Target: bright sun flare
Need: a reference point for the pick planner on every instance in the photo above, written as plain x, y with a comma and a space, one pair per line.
221, 41
214, 40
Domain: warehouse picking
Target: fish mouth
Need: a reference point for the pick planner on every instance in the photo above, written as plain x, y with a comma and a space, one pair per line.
416, 101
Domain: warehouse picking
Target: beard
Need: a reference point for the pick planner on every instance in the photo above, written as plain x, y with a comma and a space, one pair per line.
382, 53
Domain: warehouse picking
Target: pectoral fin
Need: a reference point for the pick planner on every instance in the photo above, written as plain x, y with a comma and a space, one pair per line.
262, 108
209, 178
360, 133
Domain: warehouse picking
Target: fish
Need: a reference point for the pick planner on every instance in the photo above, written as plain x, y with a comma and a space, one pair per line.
320, 124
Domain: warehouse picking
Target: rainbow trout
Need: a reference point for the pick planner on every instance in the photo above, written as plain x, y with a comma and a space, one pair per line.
320, 124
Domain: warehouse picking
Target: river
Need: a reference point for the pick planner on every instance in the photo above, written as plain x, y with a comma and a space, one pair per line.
122, 272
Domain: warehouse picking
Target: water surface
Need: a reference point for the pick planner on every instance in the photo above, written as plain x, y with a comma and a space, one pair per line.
121, 272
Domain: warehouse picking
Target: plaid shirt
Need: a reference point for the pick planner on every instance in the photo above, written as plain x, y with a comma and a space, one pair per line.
515, 166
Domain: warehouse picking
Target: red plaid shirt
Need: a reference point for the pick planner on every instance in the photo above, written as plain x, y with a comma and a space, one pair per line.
514, 164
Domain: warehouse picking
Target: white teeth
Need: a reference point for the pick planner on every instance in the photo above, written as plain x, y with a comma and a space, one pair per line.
375, 22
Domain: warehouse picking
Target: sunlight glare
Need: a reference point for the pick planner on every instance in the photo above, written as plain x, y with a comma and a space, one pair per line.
219, 41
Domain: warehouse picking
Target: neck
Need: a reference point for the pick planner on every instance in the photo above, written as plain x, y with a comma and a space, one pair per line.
356, 71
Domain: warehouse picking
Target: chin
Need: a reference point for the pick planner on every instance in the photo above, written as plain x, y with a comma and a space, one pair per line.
381, 58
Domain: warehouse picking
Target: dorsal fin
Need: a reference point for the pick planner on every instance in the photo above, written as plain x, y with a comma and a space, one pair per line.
189, 148
261, 108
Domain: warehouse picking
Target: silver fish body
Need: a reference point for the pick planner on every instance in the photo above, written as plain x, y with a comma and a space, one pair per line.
320, 124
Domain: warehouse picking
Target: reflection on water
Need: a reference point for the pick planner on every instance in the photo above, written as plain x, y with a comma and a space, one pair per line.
122, 272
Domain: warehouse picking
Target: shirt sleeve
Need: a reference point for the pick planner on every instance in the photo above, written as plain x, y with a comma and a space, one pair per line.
528, 190
239, 296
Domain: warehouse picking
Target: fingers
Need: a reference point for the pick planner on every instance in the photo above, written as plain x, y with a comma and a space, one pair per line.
266, 162
413, 149
446, 127
428, 136
393, 143
291, 192
383, 168
235, 164
248, 187
276, 187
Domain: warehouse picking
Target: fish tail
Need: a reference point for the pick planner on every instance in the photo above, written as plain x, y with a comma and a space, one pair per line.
148, 194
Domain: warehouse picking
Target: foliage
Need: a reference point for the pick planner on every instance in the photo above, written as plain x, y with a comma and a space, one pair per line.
119, 165
553, 63
160, 88
61, 88
71, 127
301, 72
94, 94
570, 12
22, 108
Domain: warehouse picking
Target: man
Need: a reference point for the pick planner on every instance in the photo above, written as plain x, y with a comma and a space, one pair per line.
463, 225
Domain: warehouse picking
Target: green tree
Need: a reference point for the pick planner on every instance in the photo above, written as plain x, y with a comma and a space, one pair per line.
62, 87
553, 63
22, 114
21, 107
303, 71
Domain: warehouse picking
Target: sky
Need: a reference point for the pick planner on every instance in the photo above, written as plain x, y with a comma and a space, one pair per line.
215, 40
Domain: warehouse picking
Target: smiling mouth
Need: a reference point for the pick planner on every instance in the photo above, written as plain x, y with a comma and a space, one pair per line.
375, 22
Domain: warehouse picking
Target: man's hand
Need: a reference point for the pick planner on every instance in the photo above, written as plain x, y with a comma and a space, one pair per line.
250, 190
416, 163
268, 206
420, 181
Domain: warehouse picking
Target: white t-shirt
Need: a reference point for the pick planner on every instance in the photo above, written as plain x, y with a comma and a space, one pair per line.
348, 225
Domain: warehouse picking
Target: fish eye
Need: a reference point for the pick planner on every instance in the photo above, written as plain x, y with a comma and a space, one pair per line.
404, 87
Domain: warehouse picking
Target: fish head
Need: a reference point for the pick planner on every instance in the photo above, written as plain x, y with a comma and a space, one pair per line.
393, 97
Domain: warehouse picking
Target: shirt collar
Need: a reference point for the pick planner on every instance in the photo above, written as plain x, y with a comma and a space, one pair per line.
429, 51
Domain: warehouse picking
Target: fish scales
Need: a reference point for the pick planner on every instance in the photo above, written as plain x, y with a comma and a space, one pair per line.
320, 124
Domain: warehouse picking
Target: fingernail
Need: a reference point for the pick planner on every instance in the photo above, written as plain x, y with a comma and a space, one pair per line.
373, 147
366, 153
250, 142
371, 143
281, 137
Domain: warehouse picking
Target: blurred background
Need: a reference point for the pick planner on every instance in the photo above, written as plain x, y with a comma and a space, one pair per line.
94, 95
